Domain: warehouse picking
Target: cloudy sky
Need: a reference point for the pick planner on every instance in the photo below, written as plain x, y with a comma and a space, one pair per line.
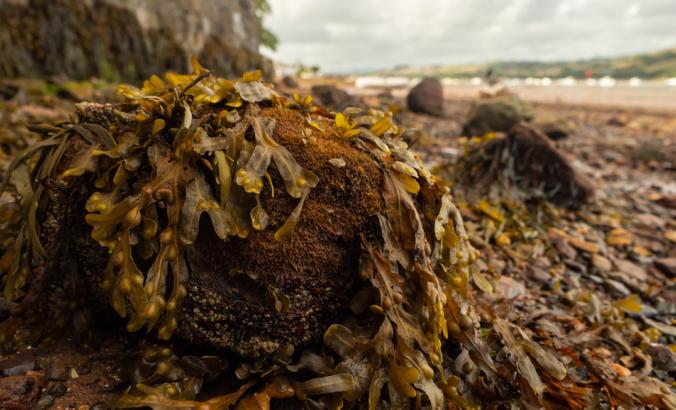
357, 35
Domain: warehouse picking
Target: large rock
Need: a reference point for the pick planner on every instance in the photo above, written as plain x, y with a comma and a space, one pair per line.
427, 97
498, 114
127, 39
525, 164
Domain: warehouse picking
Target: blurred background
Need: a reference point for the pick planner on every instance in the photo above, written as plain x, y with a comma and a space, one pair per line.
550, 50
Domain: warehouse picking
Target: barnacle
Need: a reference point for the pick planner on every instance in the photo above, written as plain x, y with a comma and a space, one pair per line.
195, 159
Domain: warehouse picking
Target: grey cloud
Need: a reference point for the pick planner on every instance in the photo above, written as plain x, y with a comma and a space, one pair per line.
354, 35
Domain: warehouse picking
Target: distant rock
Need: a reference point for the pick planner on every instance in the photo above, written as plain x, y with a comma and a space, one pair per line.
333, 97
526, 165
497, 114
553, 126
128, 39
427, 97
619, 120
290, 81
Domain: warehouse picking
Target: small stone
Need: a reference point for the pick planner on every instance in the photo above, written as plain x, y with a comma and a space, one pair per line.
667, 265
671, 235
618, 288
584, 245
619, 237
632, 270
45, 402
650, 220
290, 81
98, 406
539, 275
596, 279
73, 374
337, 162
56, 372
427, 97
58, 390
601, 263
509, 288
618, 120
663, 357
17, 366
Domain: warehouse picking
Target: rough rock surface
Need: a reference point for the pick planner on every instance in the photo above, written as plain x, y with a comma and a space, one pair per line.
498, 114
126, 38
427, 97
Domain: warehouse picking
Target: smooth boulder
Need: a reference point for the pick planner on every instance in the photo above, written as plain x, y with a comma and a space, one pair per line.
427, 97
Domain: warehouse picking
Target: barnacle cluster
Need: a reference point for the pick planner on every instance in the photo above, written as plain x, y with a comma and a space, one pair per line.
188, 149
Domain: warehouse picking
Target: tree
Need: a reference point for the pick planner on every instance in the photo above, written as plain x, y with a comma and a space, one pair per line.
268, 38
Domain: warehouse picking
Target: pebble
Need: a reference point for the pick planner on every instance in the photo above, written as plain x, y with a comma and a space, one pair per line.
56, 371
73, 374
601, 263
17, 366
631, 269
45, 402
618, 287
667, 265
58, 390
663, 357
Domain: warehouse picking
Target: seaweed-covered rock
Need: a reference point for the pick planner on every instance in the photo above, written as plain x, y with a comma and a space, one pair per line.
554, 127
427, 97
129, 39
496, 114
235, 218
525, 164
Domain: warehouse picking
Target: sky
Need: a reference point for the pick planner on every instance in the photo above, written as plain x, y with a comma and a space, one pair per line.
344, 36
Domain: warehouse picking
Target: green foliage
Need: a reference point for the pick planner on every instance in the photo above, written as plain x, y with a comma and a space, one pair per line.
660, 64
268, 38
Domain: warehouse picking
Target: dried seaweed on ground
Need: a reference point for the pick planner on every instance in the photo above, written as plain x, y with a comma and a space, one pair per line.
193, 160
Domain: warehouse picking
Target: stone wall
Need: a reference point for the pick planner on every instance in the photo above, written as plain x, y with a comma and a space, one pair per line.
127, 39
